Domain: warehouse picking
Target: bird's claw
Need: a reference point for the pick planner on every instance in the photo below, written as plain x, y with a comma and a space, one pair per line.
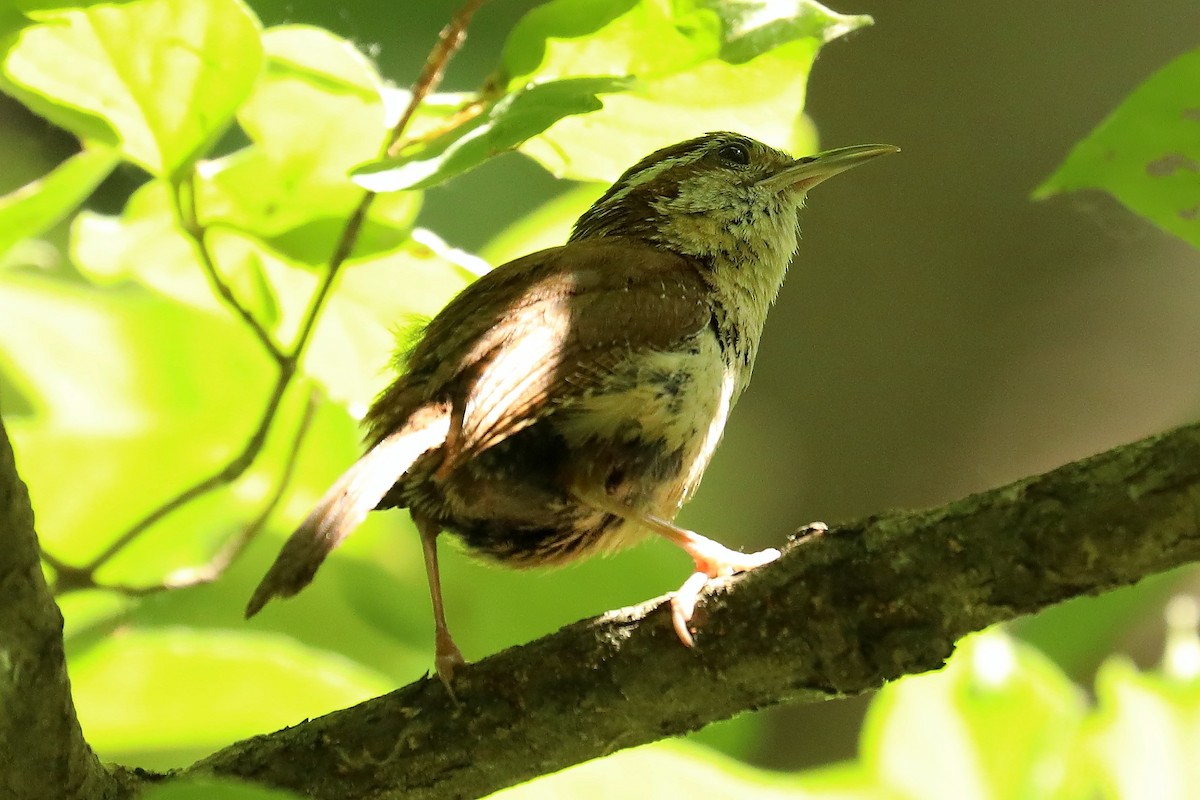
712, 561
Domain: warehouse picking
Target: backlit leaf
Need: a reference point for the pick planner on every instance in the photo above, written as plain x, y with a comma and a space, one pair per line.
159, 78
697, 66
35, 207
507, 123
1147, 153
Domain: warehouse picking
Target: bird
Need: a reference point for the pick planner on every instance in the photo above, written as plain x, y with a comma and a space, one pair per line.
568, 402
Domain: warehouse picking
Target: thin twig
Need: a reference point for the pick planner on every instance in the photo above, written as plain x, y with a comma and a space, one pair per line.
183, 197
67, 577
70, 578
234, 547
456, 120
450, 40
227, 474
229, 552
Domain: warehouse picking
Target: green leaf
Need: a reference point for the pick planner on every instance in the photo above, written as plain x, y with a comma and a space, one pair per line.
160, 78
847, 780
112, 406
145, 244
508, 122
761, 98
317, 110
999, 721
1145, 734
752, 27
214, 789
183, 692
134, 398
568, 38
11, 20
1147, 153
293, 212
698, 66
389, 284
319, 618
34, 208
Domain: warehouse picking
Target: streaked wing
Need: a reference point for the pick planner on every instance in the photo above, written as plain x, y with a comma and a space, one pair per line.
591, 306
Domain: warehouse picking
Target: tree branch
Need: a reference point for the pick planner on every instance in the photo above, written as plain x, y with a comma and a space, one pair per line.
44, 754
839, 613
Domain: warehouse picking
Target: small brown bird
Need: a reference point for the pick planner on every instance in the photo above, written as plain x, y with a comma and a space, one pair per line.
568, 402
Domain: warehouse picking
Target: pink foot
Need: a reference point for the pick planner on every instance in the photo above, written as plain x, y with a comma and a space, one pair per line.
713, 560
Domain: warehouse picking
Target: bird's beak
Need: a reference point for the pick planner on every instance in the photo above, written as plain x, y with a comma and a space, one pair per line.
805, 173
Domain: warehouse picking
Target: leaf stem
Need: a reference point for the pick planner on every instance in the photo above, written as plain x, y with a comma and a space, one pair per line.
225, 475
183, 195
229, 552
449, 42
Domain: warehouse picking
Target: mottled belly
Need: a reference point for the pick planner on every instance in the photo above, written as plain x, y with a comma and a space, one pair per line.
644, 440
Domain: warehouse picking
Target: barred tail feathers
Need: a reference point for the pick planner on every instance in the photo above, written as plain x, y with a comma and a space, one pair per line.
345, 505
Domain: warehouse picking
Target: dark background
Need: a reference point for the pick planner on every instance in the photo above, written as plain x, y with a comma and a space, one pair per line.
940, 333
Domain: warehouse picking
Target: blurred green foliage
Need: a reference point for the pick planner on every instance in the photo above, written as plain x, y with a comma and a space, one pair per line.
37, 206
135, 378
1002, 721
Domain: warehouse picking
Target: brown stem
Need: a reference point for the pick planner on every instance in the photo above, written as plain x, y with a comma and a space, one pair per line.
450, 40
456, 120
183, 197
229, 552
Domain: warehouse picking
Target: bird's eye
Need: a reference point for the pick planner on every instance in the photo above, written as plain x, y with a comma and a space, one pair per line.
735, 153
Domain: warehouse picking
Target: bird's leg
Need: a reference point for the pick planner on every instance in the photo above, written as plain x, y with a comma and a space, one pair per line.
447, 655
712, 559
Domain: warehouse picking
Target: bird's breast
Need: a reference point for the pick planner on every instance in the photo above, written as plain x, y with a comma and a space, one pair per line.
656, 422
